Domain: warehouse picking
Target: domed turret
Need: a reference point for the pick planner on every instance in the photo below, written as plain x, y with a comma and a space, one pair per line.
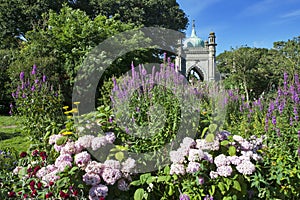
194, 40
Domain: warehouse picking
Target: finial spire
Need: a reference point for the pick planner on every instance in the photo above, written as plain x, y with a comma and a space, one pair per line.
193, 30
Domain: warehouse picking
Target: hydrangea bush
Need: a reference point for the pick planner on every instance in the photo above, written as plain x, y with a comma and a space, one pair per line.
203, 169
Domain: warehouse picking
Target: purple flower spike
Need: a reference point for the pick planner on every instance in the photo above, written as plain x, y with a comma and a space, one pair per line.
184, 197
33, 72
32, 88
22, 75
44, 79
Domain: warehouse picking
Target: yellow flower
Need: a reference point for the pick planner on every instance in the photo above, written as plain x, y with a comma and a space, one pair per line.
74, 110
65, 107
69, 117
67, 133
67, 112
77, 102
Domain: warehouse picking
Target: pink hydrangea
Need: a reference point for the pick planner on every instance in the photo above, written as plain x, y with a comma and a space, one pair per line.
98, 142
221, 160
94, 167
62, 158
54, 138
62, 165
82, 159
110, 175
193, 167
128, 165
177, 169
195, 155
86, 141
123, 185
98, 191
224, 171
246, 167
110, 137
69, 148
112, 164
91, 179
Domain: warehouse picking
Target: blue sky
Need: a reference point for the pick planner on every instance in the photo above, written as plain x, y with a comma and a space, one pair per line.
255, 23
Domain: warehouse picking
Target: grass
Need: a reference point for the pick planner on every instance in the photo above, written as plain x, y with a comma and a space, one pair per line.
10, 135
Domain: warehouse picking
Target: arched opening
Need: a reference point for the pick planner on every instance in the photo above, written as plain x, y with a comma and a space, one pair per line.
195, 74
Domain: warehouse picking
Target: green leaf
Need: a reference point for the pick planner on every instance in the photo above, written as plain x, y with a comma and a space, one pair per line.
144, 177
232, 151
237, 186
62, 140
171, 190
136, 183
204, 131
210, 137
213, 127
150, 179
221, 187
224, 142
139, 193
119, 156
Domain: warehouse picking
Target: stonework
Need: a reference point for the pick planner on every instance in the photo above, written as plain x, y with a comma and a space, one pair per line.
197, 58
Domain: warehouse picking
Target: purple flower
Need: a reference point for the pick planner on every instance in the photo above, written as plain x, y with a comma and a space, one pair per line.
274, 120
201, 180
207, 197
44, 78
22, 75
33, 72
32, 88
184, 197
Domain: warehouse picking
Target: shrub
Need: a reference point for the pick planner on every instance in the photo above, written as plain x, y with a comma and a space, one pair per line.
39, 105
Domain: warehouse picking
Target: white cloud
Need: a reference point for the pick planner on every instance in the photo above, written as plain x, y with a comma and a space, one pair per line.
295, 13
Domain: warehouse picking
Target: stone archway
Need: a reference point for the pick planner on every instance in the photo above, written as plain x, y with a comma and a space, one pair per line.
194, 73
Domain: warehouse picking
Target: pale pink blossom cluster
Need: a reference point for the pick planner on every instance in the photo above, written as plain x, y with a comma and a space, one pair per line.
98, 175
98, 191
188, 157
188, 150
82, 159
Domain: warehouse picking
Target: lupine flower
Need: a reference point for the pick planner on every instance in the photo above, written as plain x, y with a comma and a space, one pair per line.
44, 78
201, 180
33, 72
22, 75
184, 197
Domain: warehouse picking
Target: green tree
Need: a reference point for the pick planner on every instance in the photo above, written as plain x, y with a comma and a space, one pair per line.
241, 66
165, 13
61, 42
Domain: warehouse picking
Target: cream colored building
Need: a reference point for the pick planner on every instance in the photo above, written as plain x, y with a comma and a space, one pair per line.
197, 58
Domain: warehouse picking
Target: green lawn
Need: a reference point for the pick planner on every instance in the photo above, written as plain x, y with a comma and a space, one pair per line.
10, 135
